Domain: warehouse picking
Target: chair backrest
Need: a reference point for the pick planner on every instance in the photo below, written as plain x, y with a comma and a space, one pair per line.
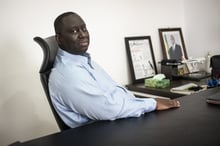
49, 47
215, 65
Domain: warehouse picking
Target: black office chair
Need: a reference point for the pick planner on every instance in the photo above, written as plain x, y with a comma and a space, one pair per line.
49, 47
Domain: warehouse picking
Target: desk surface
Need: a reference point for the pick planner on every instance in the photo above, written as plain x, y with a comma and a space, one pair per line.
139, 87
194, 123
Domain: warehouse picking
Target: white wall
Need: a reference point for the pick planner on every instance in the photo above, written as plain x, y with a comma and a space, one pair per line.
202, 27
24, 110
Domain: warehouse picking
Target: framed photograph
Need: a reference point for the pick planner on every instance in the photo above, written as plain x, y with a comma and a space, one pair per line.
141, 58
182, 69
172, 43
192, 67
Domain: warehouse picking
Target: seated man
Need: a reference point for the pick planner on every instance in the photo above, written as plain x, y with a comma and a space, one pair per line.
81, 91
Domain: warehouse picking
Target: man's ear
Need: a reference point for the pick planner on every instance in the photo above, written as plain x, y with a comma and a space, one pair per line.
57, 36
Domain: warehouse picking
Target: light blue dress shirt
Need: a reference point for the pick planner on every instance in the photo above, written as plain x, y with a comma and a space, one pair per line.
82, 92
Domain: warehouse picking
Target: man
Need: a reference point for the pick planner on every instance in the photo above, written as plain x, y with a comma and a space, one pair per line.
81, 91
175, 50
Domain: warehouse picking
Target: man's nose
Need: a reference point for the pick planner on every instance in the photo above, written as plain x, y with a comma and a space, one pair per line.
82, 33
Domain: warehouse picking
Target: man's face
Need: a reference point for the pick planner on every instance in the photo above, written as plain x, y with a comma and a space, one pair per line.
74, 37
172, 39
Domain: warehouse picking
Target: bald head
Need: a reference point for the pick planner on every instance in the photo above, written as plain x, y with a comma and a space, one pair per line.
58, 23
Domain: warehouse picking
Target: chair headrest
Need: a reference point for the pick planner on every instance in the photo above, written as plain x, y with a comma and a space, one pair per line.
49, 47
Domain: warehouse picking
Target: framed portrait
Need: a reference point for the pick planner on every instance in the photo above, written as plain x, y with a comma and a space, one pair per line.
140, 57
172, 43
192, 67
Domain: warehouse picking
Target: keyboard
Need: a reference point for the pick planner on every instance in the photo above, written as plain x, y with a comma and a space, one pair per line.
185, 86
196, 76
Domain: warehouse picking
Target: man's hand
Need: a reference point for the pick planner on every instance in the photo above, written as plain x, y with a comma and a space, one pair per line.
163, 104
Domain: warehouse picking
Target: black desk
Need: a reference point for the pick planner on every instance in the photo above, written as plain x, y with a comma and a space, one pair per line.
139, 87
195, 123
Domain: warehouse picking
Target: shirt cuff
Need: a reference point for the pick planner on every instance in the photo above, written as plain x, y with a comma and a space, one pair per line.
151, 104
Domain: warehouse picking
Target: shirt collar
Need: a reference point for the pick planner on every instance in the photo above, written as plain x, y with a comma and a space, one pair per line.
84, 58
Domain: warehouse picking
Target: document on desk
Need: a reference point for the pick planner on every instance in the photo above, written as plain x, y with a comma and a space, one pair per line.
184, 89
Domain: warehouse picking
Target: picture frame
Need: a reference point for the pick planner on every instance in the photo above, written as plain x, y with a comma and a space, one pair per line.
192, 67
140, 57
172, 43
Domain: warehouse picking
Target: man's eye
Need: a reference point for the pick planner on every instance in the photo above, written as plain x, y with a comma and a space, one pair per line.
84, 29
75, 31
